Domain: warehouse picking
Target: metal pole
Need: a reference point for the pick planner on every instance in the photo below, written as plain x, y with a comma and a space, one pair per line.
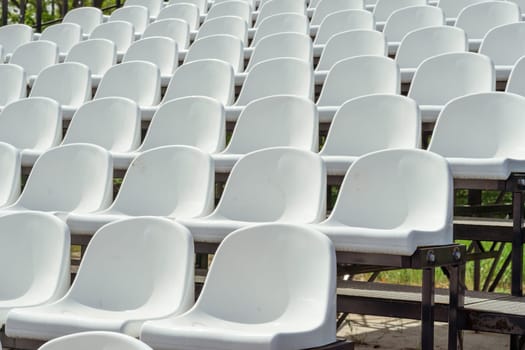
517, 244
39, 16
427, 309
5, 11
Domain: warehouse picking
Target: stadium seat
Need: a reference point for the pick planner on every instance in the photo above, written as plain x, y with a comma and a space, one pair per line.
384, 8
138, 16
153, 6
424, 43
186, 12
465, 134
274, 121
34, 56
354, 77
505, 45
175, 29
119, 32
95, 340
32, 125
405, 20
11, 37
343, 21
65, 35
442, 78
202, 5
452, 8
229, 25
394, 214
133, 270
368, 124
281, 315
284, 185
521, 4
281, 23
327, 7
10, 183
14, 84
276, 7
516, 82
236, 8
476, 20
252, 3
98, 54
221, 47
67, 83
86, 17
34, 253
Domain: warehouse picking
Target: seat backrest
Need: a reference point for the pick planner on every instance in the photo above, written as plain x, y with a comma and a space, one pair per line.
452, 8
71, 178
295, 117
138, 16
228, 25
222, 47
275, 184
285, 290
65, 35
442, 78
31, 123
364, 42
192, 121
342, 21
10, 180
505, 44
209, 78
136, 80
276, 7
67, 83
282, 23
202, 5
249, 2
372, 123
95, 340
238, 8
36, 247
295, 45
384, 8
278, 76
13, 85
156, 251
521, 4
516, 82
35, 56
327, 7
87, 17
121, 33
153, 6
98, 54
424, 43
175, 29
403, 21
173, 181
12, 36
184, 11
160, 51
476, 20
359, 76
112, 123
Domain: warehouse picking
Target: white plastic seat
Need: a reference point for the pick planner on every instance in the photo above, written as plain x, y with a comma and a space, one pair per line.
276, 7
121, 33
286, 185
490, 150
253, 3
95, 340
228, 25
13, 85
521, 4
384, 8
86, 17
12, 36
184, 11
476, 20
98, 54
222, 47
424, 43
170, 181
452, 8
112, 123
516, 82
363, 42
281, 23
161, 51
442, 78
137, 80
294, 45
394, 214
72, 178
32, 125
368, 124
294, 307
67, 83
34, 56
34, 251
65, 35
343, 21
175, 29
133, 270
405, 20
236, 8
327, 7
153, 6
505, 45
354, 77
275, 121
202, 5
10, 183
138, 16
